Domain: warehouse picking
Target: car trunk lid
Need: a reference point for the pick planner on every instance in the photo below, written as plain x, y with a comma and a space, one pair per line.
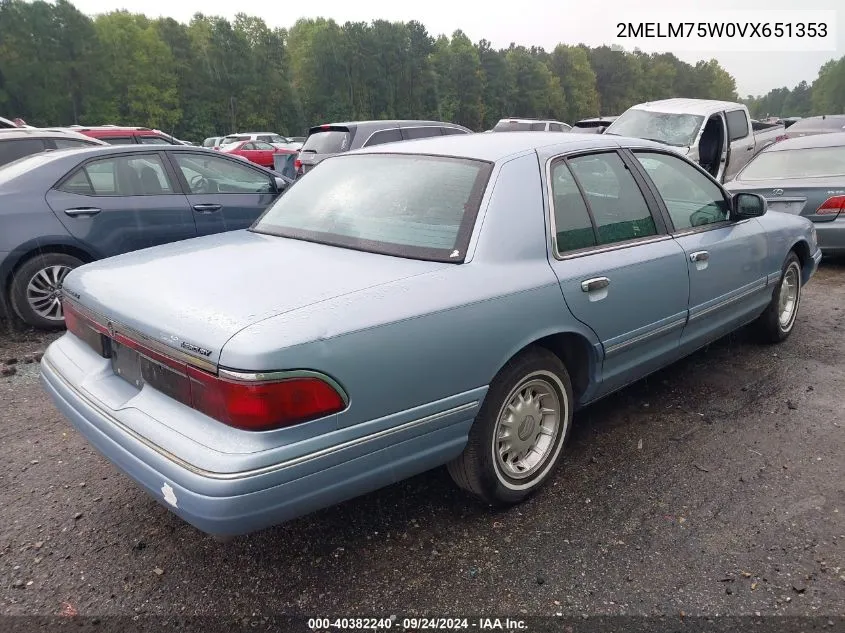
799, 198
193, 296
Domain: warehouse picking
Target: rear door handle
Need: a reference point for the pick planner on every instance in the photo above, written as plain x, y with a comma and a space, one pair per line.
82, 211
207, 208
700, 256
589, 285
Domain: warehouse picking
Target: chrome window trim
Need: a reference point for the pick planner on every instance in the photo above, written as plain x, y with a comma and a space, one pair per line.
269, 376
254, 472
592, 250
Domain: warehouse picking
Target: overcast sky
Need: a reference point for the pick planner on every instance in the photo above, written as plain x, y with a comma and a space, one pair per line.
530, 22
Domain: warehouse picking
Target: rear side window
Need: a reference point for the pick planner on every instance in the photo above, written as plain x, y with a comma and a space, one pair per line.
120, 176
573, 228
538, 127
384, 136
617, 205
70, 143
555, 127
327, 142
410, 133
18, 148
453, 130
512, 126
118, 140
154, 140
737, 124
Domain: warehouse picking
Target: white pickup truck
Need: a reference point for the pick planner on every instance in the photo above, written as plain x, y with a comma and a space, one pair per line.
719, 135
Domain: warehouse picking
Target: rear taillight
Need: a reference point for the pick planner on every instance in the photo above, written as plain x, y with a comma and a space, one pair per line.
297, 164
832, 206
325, 126
781, 137
244, 404
260, 406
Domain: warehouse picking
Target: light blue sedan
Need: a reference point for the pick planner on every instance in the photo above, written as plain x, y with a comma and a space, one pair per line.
442, 301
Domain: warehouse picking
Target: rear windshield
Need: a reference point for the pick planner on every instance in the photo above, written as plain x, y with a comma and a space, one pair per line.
816, 162
518, 126
420, 207
327, 142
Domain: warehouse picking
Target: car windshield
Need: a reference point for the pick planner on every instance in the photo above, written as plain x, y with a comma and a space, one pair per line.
327, 142
420, 207
816, 162
678, 130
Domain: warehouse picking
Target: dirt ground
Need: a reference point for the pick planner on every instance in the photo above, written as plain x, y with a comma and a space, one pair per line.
714, 487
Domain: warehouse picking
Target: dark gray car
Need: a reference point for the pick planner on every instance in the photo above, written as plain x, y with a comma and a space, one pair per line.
19, 142
803, 176
824, 124
61, 209
335, 138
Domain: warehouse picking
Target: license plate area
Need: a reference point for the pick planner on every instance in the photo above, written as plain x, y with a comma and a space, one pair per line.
126, 363
793, 207
138, 370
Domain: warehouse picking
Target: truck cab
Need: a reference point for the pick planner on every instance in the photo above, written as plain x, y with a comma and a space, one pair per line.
718, 135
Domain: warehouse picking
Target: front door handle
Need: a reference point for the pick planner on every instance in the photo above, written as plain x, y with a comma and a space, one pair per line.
82, 211
207, 208
700, 256
589, 285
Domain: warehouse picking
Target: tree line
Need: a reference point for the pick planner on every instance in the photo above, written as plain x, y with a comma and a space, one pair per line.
213, 76
826, 95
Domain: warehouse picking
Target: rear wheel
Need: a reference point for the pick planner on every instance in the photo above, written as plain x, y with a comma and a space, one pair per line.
517, 437
778, 321
34, 294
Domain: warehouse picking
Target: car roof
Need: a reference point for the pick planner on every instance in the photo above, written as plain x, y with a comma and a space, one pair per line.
833, 139
687, 106
496, 147
38, 132
387, 123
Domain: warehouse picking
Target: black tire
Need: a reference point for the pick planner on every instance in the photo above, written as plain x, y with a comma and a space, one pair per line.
479, 470
768, 325
21, 279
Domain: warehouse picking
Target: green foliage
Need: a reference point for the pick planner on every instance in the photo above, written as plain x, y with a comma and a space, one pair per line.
213, 76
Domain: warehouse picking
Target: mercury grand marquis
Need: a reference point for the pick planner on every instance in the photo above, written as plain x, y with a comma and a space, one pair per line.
447, 301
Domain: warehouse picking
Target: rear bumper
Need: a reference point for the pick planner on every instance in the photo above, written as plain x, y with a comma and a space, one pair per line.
831, 235
219, 505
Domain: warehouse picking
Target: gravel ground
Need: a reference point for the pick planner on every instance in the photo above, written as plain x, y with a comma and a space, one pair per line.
716, 486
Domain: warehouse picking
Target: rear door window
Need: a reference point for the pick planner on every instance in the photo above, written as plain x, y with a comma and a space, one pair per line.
617, 205
410, 133
327, 141
452, 130
384, 136
119, 140
538, 127
121, 176
154, 140
18, 148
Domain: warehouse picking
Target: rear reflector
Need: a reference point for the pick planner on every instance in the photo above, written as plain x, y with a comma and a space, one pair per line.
832, 206
242, 404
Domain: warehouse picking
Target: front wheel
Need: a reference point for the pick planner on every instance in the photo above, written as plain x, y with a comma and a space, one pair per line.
35, 291
778, 321
519, 433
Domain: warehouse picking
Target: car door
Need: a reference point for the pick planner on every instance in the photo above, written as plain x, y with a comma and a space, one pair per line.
726, 259
122, 203
263, 154
621, 274
225, 194
740, 143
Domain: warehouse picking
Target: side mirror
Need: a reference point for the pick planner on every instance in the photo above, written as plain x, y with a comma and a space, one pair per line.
281, 183
748, 205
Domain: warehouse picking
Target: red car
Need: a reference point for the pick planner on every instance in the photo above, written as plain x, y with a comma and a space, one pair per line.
257, 152
116, 135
